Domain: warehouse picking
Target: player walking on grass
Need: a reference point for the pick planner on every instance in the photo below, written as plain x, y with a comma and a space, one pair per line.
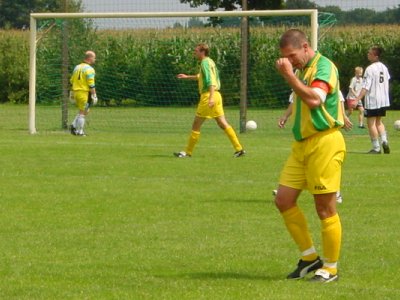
376, 92
84, 91
317, 154
210, 105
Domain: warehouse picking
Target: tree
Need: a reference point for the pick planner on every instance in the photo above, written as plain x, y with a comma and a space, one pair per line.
300, 4
235, 4
15, 13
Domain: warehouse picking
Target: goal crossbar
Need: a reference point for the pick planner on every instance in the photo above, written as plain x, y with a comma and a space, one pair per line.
312, 13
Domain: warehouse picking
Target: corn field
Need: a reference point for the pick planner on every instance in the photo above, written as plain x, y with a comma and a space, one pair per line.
139, 67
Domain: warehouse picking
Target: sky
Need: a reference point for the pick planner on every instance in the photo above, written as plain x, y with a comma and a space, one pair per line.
175, 5
351, 4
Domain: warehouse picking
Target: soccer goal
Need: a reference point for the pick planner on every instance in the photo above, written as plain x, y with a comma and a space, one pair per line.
140, 54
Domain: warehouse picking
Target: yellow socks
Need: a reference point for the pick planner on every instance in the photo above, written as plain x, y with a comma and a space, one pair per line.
297, 226
230, 132
193, 139
331, 241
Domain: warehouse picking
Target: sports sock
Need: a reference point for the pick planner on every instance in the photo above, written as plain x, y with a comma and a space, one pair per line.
384, 138
80, 123
74, 122
331, 241
193, 139
297, 226
230, 132
375, 144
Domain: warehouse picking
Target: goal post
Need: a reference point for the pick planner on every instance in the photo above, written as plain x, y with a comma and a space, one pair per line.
34, 17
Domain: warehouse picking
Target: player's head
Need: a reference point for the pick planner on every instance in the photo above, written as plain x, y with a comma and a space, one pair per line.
202, 50
294, 45
374, 53
358, 71
90, 57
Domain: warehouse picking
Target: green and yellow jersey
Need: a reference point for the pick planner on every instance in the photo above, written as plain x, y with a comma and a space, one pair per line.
307, 121
208, 75
82, 78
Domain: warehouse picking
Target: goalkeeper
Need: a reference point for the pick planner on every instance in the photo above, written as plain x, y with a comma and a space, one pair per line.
84, 91
210, 104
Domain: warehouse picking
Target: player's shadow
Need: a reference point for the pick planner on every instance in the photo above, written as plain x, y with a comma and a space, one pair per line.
223, 276
248, 201
358, 152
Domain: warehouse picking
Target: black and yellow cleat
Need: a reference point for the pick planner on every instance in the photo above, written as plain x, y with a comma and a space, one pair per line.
304, 267
239, 153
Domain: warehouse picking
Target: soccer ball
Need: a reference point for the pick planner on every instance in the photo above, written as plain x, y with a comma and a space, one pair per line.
251, 125
397, 125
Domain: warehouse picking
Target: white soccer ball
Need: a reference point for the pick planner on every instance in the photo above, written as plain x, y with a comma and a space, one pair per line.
397, 125
251, 125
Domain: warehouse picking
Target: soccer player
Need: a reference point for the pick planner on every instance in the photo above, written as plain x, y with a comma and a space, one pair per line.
210, 104
376, 92
84, 91
317, 154
354, 90
288, 112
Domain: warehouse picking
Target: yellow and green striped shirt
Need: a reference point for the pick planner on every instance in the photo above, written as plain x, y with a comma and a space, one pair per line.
82, 78
208, 75
307, 121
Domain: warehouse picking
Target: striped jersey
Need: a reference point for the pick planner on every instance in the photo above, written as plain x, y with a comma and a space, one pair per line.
208, 75
307, 121
82, 78
376, 81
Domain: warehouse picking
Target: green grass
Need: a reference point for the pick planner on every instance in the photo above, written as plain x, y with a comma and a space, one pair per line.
115, 216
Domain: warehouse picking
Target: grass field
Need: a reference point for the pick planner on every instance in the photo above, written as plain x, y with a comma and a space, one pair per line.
115, 216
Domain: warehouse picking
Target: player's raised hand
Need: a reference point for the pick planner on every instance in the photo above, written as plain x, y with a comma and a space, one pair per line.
284, 66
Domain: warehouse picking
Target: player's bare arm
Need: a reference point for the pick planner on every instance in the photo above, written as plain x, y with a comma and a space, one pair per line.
283, 119
185, 76
307, 94
362, 94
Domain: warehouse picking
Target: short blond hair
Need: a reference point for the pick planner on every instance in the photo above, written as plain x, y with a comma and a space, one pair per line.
358, 69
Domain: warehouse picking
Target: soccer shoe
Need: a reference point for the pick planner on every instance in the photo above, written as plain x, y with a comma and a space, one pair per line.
80, 134
386, 148
322, 275
72, 129
304, 267
181, 154
239, 153
373, 151
361, 126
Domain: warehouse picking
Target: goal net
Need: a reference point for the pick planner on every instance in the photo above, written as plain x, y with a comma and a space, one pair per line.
139, 56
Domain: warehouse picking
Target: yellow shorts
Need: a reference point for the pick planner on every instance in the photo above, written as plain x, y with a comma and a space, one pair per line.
81, 99
316, 163
204, 111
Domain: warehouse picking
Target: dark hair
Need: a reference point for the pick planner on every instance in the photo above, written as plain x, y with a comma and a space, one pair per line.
378, 50
204, 48
294, 38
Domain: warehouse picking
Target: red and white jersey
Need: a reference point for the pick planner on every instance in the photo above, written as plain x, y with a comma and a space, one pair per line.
376, 81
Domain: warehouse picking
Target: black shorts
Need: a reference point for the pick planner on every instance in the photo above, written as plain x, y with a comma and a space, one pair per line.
380, 112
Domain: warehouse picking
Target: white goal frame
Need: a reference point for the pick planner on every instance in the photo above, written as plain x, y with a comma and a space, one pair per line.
312, 13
